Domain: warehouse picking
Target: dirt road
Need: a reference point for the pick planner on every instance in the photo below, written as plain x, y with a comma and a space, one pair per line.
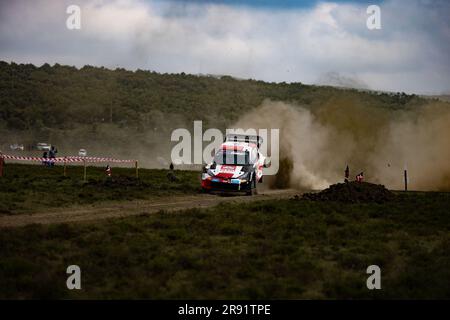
135, 207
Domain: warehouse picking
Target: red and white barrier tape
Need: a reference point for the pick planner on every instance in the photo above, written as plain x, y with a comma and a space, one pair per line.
66, 159
94, 159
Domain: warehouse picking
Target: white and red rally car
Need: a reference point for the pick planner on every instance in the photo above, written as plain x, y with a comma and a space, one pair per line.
237, 165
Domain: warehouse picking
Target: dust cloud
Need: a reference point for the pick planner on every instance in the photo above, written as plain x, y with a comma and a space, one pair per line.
317, 144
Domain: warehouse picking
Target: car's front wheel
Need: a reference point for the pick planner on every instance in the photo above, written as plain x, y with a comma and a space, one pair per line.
252, 187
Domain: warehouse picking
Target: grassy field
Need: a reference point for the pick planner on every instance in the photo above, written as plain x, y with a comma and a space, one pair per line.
27, 188
272, 249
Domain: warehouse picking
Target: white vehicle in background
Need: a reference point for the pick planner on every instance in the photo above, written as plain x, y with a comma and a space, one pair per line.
42, 146
82, 153
17, 147
237, 166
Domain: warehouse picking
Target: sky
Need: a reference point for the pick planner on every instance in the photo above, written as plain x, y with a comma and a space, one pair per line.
313, 42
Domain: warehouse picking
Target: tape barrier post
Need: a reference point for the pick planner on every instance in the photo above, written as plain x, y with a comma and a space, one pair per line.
137, 169
1, 164
405, 177
84, 175
65, 172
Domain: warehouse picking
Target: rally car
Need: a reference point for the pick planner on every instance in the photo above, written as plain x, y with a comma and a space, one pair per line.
237, 166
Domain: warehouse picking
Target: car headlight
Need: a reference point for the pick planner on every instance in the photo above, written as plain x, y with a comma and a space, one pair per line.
210, 173
244, 175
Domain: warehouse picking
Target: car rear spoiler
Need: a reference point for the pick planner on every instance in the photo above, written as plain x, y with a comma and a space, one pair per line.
244, 138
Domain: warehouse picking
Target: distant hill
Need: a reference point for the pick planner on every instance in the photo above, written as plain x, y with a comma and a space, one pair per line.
98, 108
62, 96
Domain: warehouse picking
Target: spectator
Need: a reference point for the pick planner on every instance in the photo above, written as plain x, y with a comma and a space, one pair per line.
45, 161
360, 177
52, 155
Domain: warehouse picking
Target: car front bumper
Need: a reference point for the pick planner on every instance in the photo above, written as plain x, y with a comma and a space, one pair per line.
220, 184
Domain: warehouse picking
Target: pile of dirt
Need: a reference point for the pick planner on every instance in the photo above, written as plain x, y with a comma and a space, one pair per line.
352, 192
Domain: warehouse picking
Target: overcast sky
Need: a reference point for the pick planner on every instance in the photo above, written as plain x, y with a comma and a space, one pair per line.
292, 41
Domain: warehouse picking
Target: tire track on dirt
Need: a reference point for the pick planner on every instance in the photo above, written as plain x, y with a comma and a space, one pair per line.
135, 207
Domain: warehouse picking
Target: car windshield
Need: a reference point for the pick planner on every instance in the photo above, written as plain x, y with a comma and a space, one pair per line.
232, 157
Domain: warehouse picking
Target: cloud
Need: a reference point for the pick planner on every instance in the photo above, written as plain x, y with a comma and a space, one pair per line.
410, 53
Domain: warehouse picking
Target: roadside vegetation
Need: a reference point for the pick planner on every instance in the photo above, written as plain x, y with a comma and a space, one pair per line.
30, 188
259, 250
